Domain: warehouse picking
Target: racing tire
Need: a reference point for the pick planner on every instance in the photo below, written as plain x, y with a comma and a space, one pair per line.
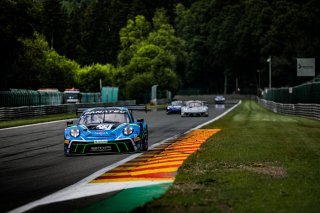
144, 143
139, 147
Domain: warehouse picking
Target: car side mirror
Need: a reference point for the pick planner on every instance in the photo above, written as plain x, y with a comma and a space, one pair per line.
140, 120
69, 123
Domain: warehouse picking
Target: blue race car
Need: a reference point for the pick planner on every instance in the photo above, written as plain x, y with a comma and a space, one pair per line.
106, 130
175, 107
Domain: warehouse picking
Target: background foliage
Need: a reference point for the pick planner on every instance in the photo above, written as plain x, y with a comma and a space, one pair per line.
180, 44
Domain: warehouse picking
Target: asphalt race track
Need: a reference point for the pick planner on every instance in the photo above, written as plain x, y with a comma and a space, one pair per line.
32, 163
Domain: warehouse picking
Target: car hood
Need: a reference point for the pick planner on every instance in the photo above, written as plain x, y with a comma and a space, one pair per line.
104, 126
219, 98
107, 129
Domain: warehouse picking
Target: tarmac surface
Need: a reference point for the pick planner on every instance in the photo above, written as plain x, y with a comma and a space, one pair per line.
33, 166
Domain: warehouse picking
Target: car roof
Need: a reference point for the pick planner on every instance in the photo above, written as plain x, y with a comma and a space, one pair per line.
106, 108
192, 101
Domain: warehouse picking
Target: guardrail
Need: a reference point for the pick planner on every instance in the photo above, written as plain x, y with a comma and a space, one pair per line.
307, 110
10, 113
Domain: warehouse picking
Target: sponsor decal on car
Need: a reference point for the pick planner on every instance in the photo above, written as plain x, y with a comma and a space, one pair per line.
100, 141
101, 148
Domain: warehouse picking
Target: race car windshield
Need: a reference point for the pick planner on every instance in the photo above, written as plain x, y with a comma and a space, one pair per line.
98, 118
195, 104
176, 103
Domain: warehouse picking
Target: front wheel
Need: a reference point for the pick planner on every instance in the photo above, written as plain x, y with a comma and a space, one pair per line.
145, 145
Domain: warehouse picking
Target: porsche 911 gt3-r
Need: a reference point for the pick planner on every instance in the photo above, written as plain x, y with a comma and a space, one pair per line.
106, 130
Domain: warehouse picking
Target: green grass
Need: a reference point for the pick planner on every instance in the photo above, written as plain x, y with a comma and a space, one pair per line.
34, 120
259, 162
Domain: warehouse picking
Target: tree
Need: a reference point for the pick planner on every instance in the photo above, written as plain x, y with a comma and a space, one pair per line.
15, 21
54, 25
150, 53
131, 38
30, 62
192, 27
59, 72
88, 77
138, 88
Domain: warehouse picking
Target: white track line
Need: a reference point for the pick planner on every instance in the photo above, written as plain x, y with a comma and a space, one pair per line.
84, 189
37, 124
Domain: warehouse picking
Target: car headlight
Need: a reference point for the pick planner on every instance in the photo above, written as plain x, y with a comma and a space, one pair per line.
128, 130
74, 133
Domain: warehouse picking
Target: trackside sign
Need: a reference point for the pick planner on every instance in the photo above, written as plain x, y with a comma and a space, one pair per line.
305, 67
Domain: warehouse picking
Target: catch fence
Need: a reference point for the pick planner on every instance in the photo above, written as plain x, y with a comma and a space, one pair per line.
24, 97
305, 93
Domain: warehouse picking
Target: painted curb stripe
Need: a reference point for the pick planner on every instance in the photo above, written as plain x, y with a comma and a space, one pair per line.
162, 164
142, 168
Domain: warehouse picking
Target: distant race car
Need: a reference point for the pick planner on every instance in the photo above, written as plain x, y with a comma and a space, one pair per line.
219, 99
174, 107
194, 108
106, 130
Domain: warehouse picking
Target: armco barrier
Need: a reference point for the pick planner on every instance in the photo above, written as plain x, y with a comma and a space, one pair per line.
307, 110
9, 113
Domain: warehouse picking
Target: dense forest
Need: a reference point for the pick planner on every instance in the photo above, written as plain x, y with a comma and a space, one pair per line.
179, 45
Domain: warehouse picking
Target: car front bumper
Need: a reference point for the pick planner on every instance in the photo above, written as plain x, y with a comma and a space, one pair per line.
80, 147
194, 113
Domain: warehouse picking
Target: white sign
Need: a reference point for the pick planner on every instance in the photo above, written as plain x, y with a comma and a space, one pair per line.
305, 67
154, 94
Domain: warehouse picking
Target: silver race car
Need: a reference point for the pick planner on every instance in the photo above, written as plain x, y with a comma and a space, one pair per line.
194, 108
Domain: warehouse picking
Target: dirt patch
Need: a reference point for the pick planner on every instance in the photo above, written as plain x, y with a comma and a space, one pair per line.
265, 169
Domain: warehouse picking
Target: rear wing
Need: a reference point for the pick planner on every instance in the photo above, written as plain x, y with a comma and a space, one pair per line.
141, 107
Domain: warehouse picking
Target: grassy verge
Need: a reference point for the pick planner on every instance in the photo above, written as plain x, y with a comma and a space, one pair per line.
259, 162
40, 119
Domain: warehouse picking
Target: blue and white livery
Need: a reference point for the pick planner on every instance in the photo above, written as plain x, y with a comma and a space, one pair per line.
106, 130
174, 107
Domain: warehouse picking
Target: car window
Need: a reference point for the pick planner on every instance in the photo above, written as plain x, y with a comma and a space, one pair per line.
195, 104
98, 118
176, 103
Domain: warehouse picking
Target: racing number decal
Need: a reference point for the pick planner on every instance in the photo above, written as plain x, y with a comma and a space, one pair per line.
105, 126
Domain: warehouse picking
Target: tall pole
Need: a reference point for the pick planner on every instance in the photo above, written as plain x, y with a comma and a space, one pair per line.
225, 84
258, 92
269, 60
259, 78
